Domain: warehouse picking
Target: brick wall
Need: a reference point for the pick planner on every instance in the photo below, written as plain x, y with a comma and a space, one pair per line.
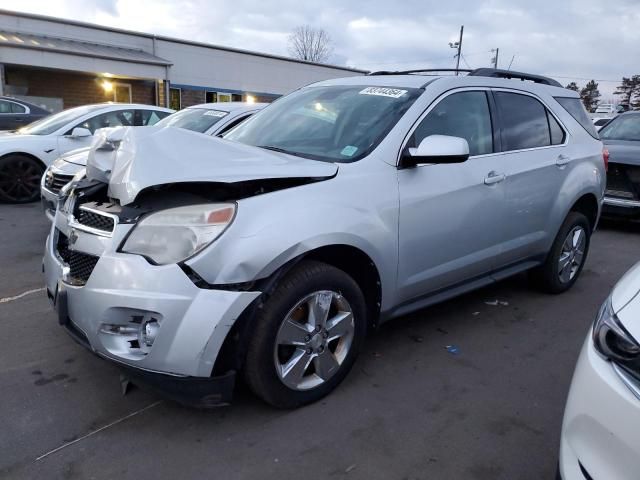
75, 88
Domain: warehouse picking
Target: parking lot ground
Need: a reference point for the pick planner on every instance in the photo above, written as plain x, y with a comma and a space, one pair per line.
410, 409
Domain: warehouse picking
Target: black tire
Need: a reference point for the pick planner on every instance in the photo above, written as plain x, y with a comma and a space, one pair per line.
546, 277
20, 179
260, 365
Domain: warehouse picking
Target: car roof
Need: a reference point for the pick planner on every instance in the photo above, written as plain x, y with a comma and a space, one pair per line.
230, 106
448, 82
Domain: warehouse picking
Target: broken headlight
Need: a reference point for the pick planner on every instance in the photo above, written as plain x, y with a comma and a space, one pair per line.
175, 234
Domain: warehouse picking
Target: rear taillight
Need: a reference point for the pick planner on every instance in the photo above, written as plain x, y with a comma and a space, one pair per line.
605, 159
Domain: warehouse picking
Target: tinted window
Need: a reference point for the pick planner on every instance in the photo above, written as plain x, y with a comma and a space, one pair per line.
109, 119
464, 114
557, 133
145, 118
5, 107
524, 121
624, 127
17, 108
575, 107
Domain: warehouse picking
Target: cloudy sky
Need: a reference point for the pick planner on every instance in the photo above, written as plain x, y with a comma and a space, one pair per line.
567, 39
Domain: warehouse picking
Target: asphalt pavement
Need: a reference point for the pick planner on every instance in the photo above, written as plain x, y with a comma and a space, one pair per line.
473, 388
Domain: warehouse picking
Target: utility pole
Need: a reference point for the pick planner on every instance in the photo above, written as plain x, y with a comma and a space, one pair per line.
458, 46
495, 59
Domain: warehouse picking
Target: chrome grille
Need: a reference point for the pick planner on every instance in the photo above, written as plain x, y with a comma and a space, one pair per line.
55, 181
95, 220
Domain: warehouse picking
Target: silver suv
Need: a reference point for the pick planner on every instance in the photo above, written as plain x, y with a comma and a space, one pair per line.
270, 253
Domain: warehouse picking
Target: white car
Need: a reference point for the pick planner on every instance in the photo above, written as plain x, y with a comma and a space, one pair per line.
601, 428
207, 118
25, 153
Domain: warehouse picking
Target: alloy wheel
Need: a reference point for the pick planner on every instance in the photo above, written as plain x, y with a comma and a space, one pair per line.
572, 254
19, 180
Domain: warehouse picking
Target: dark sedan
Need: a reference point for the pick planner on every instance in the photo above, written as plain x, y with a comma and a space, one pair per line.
621, 137
16, 113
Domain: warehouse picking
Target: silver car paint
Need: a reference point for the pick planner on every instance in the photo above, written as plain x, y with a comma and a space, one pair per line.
414, 224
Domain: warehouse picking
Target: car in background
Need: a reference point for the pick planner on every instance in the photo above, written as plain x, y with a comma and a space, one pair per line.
26, 152
621, 137
600, 122
16, 113
601, 428
207, 118
605, 109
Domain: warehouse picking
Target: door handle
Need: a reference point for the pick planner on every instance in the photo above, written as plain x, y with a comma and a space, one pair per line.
494, 177
562, 160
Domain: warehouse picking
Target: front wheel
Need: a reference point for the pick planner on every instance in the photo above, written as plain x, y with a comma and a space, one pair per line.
20, 179
306, 336
567, 255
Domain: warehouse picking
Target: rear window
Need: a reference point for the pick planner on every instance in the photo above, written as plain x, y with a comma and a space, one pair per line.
575, 107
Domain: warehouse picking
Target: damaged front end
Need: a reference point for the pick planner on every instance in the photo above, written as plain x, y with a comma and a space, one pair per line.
114, 260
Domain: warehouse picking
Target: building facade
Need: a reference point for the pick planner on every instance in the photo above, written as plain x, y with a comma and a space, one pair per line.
62, 63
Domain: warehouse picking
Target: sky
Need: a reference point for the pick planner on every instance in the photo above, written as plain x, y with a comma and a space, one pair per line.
570, 40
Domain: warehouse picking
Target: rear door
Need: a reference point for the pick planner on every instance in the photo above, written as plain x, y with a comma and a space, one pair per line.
536, 163
451, 215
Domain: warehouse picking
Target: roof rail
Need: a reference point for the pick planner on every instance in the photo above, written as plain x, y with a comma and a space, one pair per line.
421, 70
497, 73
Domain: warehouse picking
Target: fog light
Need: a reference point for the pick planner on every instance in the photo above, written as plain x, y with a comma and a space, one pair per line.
149, 331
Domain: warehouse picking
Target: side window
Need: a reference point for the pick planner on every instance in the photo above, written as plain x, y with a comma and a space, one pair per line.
557, 133
5, 107
523, 120
232, 124
17, 108
464, 114
145, 118
109, 119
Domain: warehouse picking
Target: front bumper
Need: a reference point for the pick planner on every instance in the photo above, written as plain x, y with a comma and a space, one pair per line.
124, 290
600, 434
49, 201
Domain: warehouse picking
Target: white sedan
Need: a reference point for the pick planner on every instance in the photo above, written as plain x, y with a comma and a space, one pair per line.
207, 118
601, 428
25, 153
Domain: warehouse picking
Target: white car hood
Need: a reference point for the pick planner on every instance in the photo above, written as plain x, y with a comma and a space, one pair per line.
153, 156
626, 289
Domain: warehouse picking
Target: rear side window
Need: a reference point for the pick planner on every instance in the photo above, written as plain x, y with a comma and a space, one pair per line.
17, 108
524, 122
465, 115
557, 133
575, 107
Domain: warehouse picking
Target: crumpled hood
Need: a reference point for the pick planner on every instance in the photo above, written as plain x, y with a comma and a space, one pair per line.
623, 151
150, 156
77, 156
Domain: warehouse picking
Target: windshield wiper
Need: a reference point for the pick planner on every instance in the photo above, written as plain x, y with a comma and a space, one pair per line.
280, 150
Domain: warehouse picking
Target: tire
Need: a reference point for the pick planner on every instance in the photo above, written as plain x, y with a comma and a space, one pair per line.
550, 276
320, 361
20, 179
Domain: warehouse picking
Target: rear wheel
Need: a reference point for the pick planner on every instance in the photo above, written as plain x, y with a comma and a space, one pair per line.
567, 256
306, 336
20, 179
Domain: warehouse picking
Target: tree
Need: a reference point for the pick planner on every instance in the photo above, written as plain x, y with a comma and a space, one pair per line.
573, 86
629, 91
590, 95
310, 44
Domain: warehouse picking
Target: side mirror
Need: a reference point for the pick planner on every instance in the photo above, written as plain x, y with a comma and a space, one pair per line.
80, 132
437, 149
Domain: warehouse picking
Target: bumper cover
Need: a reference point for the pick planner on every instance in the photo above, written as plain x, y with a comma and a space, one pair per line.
123, 288
621, 208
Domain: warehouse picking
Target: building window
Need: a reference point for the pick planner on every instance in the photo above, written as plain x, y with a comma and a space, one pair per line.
175, 98
122, 93
236, 97
211, 97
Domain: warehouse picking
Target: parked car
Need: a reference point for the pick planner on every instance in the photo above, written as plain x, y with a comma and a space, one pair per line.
207, 118
621, 138
25, 153
600, 434
340, 206
16, 113
605, 109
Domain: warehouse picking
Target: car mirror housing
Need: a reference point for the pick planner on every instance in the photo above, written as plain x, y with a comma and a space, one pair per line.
80, 132
437, 149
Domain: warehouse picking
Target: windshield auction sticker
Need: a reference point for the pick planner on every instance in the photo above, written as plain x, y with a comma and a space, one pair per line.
383, 92
214, 113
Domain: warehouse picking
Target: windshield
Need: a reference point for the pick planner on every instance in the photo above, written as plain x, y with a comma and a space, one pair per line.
624, 127
50, 124
196, 119
332, 123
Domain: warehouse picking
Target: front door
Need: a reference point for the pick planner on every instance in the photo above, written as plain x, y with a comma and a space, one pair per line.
451, 215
